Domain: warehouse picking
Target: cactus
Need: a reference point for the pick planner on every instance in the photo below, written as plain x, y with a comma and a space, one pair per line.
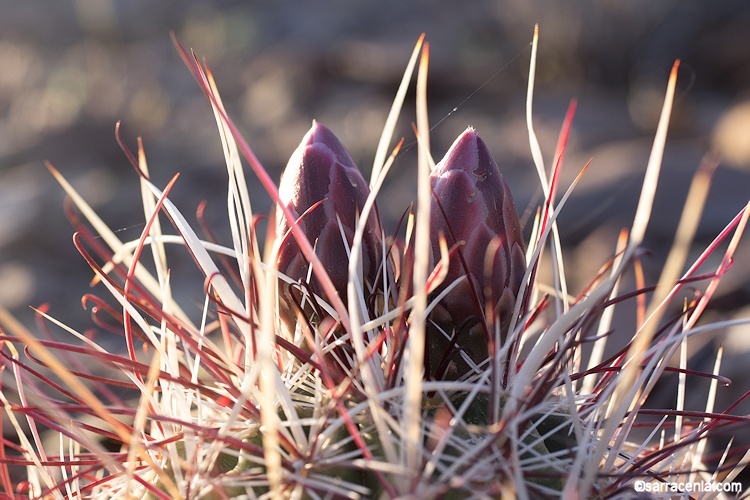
297, 380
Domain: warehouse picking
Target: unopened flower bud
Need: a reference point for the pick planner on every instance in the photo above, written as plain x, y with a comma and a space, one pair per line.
321, 171
471, 206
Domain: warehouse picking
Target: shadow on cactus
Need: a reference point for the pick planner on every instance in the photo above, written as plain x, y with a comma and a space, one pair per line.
346, 362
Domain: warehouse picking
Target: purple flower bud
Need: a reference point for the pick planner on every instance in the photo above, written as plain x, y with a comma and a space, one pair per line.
472, 205
322, 171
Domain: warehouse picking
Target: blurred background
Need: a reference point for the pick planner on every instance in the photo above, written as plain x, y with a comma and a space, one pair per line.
70, 69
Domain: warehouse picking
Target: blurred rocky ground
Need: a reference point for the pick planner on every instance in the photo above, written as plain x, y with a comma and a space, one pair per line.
70, 69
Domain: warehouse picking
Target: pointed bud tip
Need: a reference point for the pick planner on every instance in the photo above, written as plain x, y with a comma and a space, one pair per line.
319, 134
469, 139
468, 153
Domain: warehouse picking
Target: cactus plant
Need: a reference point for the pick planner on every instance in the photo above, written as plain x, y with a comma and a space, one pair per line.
306, 389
